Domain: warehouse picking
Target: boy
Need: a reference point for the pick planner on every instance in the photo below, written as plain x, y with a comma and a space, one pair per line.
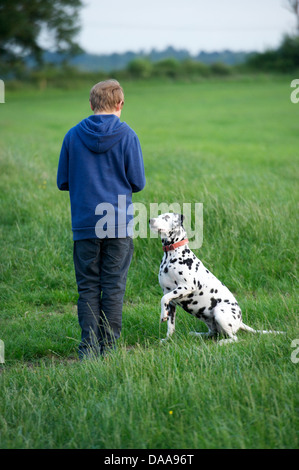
101, 165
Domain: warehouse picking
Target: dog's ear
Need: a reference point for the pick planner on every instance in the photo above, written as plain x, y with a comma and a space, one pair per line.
181, 218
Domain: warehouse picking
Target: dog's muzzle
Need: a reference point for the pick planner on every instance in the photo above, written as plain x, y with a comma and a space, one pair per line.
152, 224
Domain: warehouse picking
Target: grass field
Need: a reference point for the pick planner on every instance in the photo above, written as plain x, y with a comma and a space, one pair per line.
231, 145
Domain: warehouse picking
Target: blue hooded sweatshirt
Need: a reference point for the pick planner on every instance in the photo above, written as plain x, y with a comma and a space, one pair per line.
101, 165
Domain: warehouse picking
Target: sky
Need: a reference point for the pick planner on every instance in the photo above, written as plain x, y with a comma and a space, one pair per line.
195, 25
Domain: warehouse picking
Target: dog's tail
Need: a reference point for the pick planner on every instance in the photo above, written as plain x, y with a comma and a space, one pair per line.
264, 332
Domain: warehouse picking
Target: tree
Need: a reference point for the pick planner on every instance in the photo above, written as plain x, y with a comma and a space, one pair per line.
293, 6
23, 21
285, 59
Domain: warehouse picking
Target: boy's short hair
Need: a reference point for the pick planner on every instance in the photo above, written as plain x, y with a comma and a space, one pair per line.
106, 95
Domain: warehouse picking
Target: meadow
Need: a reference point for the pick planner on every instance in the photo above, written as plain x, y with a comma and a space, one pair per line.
230, 144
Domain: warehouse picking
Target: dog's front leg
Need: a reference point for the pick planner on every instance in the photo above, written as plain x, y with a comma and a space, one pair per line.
166, 306
164, 309
178, 293
171, 319
171, 311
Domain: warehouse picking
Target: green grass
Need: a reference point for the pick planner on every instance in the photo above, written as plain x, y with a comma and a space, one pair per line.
231, 145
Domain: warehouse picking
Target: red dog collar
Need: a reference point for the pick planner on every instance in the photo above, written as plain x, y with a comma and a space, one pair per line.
175, 245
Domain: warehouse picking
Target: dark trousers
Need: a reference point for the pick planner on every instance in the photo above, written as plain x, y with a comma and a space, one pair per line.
101, 267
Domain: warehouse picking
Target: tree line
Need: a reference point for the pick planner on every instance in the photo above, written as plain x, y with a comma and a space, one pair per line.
22, 57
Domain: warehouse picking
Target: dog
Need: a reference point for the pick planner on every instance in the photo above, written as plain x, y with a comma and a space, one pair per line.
186, 282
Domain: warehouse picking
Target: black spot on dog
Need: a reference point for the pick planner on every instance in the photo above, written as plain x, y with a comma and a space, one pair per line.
180, 273
199, 312
166, 269
188, 262
184, 304
213, 303
195, 302
201, 293
189, 296
211, 291
174, 260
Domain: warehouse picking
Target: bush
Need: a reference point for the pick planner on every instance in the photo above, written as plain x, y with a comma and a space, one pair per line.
167, 68
140, 68
219, 68
193, 68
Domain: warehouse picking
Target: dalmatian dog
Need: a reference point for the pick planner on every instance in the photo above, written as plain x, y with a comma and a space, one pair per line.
186, 282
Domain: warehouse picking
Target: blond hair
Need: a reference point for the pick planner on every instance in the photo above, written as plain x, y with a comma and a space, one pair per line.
106, 95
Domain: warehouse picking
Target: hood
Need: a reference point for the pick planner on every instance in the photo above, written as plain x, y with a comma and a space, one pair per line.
100, 132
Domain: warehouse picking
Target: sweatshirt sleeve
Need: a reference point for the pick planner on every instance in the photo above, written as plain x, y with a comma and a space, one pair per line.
63, 171
134, 165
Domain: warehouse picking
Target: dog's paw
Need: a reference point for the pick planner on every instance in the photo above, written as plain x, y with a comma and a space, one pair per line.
163, 316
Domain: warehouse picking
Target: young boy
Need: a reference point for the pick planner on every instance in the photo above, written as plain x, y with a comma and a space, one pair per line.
101, 165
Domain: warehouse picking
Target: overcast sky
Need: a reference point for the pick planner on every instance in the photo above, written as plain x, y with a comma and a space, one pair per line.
195, 25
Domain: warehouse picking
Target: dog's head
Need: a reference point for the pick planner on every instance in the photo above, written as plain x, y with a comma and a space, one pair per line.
169, 226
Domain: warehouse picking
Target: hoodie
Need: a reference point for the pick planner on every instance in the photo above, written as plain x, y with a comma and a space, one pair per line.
101, 165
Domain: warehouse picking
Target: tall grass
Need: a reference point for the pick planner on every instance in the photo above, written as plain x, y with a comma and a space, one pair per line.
231, 145
183, 395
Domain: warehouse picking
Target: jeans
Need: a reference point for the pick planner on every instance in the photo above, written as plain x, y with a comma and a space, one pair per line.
101, 267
